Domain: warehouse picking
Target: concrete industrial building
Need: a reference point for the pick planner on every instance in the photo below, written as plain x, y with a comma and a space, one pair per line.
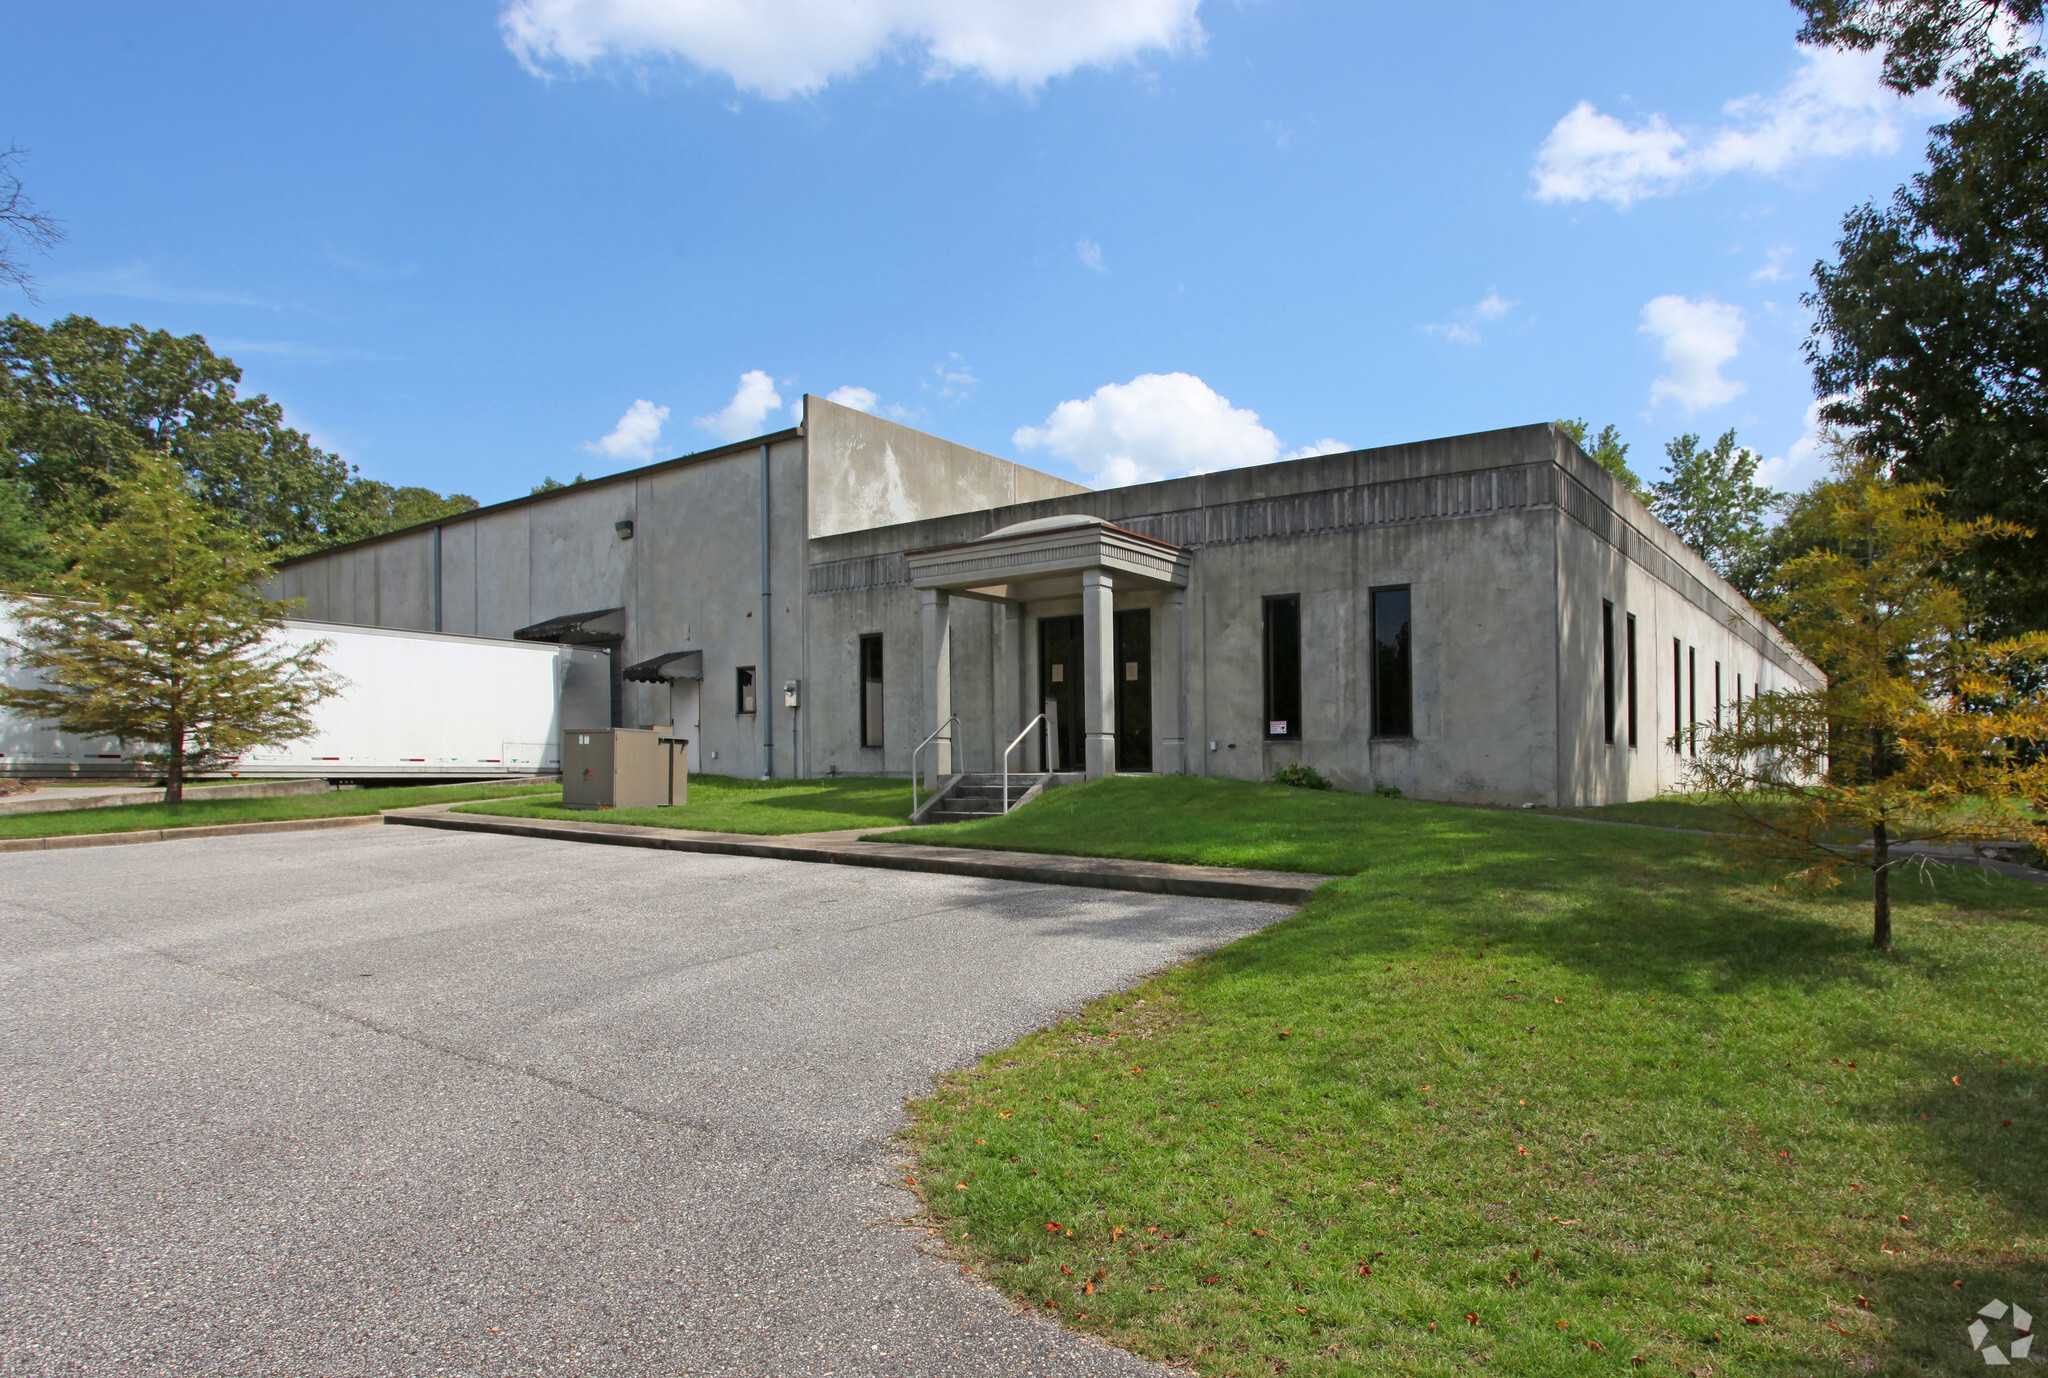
1487, 617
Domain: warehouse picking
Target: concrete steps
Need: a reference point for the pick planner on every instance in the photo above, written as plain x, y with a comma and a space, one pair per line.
980, 795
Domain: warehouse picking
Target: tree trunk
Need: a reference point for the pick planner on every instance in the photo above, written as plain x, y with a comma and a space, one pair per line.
174, 766
1881, 901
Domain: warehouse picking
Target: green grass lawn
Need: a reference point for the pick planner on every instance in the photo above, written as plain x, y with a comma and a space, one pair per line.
196, 812
721, 804
1694, 811
1518, 1098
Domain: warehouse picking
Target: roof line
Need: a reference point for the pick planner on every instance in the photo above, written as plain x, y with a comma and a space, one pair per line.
695, 457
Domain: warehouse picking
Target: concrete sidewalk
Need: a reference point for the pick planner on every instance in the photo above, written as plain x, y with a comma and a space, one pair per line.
846, 849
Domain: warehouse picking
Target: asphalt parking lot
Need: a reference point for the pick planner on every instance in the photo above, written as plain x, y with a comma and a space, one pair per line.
396, 1101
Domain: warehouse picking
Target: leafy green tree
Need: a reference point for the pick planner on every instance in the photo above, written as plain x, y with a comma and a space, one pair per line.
550, 483
1925, 42
25, 558
155, 633
1919, 736
79, 400
1712, 501
370, 508
1607, 450
1931, 331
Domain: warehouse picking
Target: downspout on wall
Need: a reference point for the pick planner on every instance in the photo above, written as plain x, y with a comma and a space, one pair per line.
437, 578
763, 702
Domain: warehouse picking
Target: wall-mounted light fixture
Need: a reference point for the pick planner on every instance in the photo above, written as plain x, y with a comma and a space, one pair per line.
624, 528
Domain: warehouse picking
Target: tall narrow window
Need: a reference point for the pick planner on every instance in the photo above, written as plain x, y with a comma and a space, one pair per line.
1393, 665
1283, 668
1631, 652
1677, 695
1738, 701
1717, 696
743, 690
1607, 666
871, 691
1692, 700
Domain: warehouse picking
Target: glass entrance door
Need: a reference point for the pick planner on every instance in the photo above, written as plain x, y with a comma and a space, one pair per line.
1060, 676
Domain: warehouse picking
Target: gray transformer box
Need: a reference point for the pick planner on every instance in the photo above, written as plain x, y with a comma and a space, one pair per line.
624, 768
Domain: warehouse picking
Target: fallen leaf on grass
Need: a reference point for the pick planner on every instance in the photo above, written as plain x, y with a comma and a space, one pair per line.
1596, 1346
1752, 1320
1116, 1234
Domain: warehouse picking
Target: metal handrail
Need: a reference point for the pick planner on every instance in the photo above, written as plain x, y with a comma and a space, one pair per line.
1006, 757
937, 732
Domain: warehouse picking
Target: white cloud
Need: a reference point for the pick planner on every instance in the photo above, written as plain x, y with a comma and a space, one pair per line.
1492, 307
1155, 426
1698, 338
1461, 330
1090, 254
1773, 269
782, 48
747, 413
1325, 446
1457, 332
1806, 461
860, 399
1834, 106
636, 435
956, 377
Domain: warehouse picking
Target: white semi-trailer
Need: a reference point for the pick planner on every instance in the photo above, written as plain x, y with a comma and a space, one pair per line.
414, 704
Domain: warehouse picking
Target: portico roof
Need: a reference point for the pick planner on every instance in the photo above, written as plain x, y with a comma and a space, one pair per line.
1045, 558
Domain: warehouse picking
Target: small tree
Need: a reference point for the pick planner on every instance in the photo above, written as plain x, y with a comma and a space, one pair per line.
157, 634
1714, 504
1918, 737
1607, 449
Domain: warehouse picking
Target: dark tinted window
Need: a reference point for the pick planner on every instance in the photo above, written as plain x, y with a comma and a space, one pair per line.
744, 694
1631, 679
1607, 666
1393, 670
1283, 668
871, 691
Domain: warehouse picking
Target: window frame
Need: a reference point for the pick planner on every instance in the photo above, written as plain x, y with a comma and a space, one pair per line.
1629, 650
746, 685
1268, 670
1407, 591
871, 736
1608, 704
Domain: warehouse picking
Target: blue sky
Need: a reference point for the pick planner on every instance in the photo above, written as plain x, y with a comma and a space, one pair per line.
471, 244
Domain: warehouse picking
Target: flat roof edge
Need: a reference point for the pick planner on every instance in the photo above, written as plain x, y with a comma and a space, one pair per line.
694, 457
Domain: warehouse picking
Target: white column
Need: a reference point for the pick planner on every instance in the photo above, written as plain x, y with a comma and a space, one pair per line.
938, 681
1010, 696
1169, 699
1098, 682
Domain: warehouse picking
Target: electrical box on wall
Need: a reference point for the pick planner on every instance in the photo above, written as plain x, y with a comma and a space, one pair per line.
789, 693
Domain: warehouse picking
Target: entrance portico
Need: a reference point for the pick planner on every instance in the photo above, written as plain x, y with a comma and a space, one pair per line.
1059, 559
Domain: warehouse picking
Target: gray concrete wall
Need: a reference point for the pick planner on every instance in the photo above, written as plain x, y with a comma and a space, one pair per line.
1508, 540
865, 472
690, 579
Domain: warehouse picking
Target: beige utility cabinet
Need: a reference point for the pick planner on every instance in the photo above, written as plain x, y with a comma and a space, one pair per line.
624, 768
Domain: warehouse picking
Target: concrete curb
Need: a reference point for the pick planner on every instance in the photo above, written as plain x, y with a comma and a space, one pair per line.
281, 825
1095, 873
